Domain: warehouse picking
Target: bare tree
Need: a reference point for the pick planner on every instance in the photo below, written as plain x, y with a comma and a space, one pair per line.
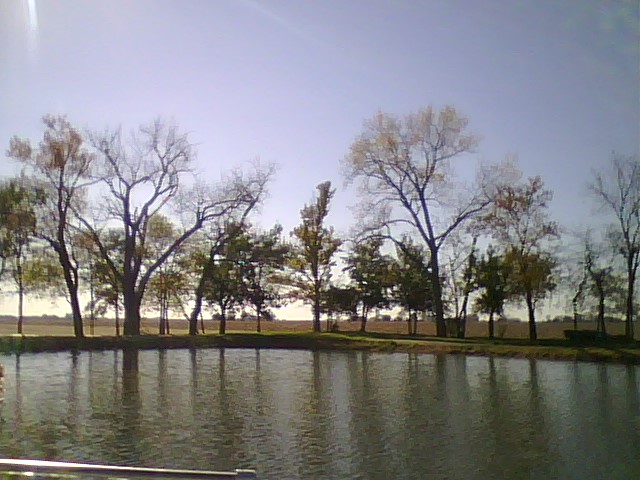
406, 179
143, 177
618, 192
61, 168
599, 276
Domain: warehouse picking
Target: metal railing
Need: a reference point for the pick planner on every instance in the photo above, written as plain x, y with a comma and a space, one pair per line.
83, 470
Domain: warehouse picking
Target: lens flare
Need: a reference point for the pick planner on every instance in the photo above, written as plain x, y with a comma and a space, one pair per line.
32, 33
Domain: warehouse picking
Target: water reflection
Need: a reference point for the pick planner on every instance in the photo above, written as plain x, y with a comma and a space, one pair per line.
128, 433
325, 414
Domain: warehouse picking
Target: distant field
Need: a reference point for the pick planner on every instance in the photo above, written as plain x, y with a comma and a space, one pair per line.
60, 326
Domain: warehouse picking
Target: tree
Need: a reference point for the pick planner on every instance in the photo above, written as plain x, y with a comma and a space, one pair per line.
339, 300
370, 272
169, 282
61, 170
459, 280
263, 272
618, 192
492, 278
30, 267
224, 286
248, 190
141, 179
108, 290
413, 282
406, 180
17, 231
519, 220
599, 277
312, 258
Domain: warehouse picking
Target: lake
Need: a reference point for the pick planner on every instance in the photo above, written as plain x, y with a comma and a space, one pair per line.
324, 415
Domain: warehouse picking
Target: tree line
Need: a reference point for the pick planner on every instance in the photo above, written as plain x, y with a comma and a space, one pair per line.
128, 222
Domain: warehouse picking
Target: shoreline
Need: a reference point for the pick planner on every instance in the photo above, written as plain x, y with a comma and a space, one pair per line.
610, 352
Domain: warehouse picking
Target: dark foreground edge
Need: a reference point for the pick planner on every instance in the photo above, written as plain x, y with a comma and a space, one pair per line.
628, 353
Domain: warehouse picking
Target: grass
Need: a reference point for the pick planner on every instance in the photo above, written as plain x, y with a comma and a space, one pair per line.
381, 339
509, 330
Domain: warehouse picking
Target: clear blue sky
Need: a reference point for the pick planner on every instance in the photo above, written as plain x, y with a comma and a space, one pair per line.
557, 82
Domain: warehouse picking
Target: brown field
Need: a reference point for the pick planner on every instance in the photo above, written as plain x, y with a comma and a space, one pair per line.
508, 329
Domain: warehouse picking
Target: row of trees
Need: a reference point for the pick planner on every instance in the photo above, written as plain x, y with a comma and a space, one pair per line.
127, 220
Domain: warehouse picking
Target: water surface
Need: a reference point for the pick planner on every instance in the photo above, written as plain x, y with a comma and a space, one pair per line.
324, 415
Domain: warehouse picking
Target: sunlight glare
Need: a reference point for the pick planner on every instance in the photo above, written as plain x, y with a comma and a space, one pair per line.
33, 16
32, 33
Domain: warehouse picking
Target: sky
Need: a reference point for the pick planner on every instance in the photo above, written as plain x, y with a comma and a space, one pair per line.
291, 81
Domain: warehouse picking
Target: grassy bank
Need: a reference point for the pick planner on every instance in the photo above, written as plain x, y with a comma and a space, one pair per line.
103, 326
608, 351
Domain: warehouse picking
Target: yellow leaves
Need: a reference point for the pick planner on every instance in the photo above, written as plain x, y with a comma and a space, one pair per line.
19, 149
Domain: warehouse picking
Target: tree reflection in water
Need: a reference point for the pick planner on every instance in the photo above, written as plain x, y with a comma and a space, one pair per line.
325, 414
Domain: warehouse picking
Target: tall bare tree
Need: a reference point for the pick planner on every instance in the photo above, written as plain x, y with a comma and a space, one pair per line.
61, 168
618, 192
403, 165
145, 176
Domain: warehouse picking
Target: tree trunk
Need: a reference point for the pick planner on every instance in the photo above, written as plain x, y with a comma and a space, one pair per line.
316, 317
363, 320
462, 324
533, 334
131, 312
491, 324
71, 282
117, 308
462, 319
631, 279
197, 304
441, 326
163, 328
78, 327
601, 326
199, 293
258, 316
222, 328
317, 327
20, 309
92, 301
20, 294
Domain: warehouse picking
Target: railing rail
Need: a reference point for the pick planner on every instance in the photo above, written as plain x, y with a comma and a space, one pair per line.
86, 469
